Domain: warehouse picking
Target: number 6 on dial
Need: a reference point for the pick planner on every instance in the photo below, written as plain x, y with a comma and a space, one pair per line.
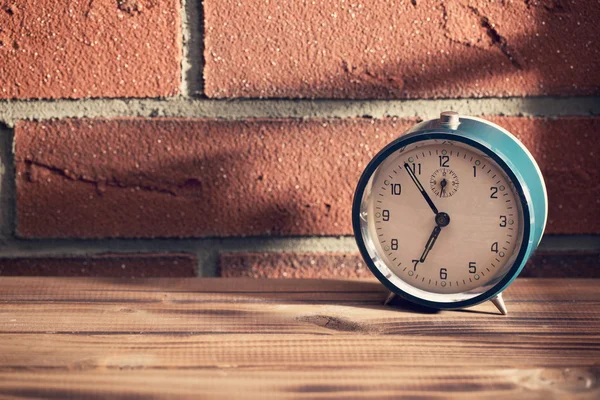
447, 215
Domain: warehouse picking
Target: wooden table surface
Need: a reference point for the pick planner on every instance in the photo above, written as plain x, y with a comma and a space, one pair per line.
239, 338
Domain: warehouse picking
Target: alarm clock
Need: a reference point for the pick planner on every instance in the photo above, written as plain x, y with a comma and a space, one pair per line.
447, 215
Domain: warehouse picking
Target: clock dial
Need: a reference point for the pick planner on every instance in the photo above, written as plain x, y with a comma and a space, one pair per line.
443, 217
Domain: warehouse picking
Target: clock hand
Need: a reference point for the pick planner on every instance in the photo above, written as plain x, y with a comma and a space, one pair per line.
420, 187
430, 242
443, 184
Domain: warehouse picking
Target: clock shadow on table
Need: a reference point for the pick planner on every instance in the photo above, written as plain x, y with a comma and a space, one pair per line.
403, 305
400, 304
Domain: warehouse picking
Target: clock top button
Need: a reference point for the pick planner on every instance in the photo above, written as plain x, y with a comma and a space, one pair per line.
449, 119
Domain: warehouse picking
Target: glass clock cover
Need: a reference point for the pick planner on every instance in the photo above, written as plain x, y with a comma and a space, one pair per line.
441, 219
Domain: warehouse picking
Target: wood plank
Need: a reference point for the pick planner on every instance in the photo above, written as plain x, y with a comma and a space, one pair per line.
285, 383
206, 318
243, 338
99, 288
83, 352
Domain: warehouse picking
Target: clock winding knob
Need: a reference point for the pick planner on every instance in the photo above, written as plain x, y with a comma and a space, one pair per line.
449, 119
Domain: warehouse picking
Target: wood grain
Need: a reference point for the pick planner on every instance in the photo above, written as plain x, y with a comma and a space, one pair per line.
237, 338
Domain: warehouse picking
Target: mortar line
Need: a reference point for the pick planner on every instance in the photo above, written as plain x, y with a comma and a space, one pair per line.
7, 183
192, 60
185, 48
12, 111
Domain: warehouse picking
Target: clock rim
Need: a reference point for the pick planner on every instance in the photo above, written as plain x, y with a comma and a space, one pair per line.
454, 135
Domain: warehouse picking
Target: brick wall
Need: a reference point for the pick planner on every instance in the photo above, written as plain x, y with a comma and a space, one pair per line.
159, 138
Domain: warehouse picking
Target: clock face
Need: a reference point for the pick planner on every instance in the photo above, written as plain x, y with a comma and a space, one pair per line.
441, 220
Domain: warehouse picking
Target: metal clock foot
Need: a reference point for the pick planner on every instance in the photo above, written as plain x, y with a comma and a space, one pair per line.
389, 299
499, 303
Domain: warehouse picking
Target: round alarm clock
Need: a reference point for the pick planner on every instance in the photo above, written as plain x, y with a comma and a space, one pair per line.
447, 215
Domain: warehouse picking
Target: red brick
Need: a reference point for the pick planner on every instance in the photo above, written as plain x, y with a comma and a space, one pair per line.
409, 49
81, 48
105, 265
351, 265
183, 178
176, 177
293, 265
571, 264
567, 151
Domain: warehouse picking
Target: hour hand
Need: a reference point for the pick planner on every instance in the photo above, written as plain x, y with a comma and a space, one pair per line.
432, 238
420, 188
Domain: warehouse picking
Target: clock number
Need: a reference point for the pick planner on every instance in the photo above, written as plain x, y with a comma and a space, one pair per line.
472, 267
494, 191
416, 262
394, 244
495, 247
416, 168
396, 189
386, 215
502, 221
474, 171
443, 273
444, 161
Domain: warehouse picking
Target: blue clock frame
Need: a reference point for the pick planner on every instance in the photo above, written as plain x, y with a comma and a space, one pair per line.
510, 154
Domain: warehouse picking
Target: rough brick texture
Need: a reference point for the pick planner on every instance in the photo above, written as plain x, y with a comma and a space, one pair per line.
293, 265
81, 48
400, 49
178, 177
105, 265
567, 151
351, 265
574, 264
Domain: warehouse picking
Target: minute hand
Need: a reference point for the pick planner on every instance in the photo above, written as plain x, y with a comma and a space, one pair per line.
420, 187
